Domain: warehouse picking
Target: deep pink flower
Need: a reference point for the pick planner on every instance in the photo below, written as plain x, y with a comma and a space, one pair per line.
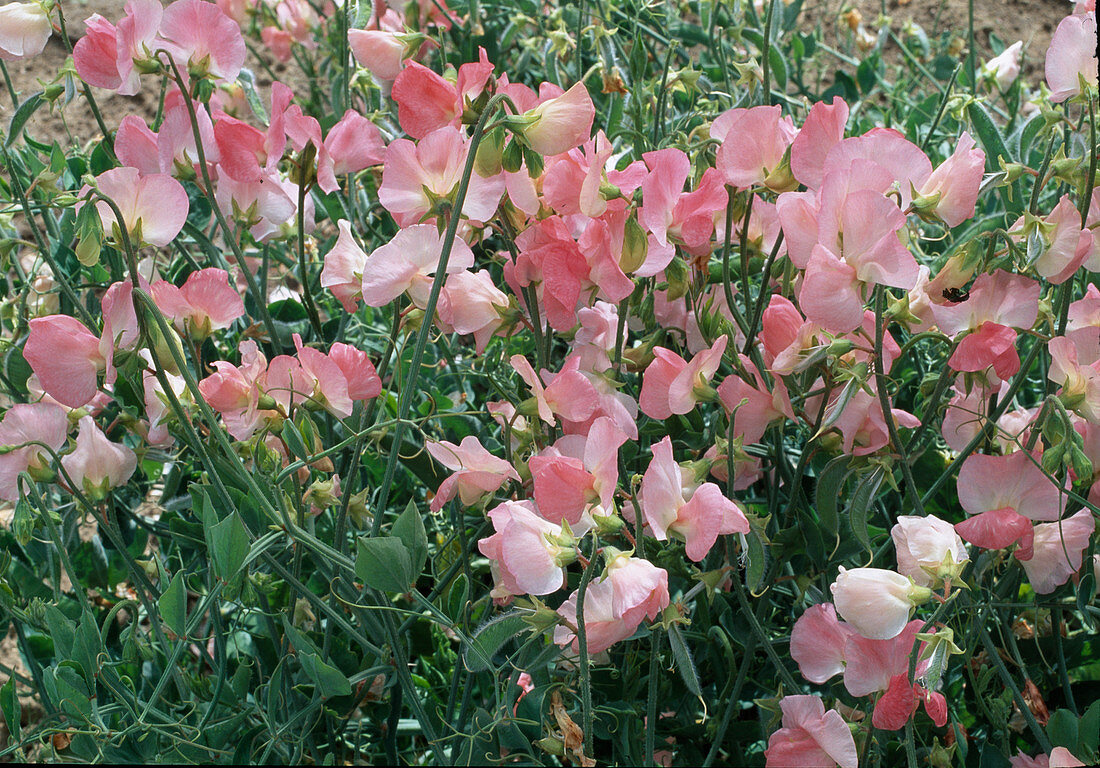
673, 385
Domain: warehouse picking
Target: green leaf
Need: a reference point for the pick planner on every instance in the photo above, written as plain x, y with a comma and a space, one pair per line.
684, 662
489, 638
330, 681
1062, 729
87, 646
228, 543
293, 440
862, 501
255, 103
384, 563
62, 631
754, 574
830, 484
9, 702
409, 527
1088, 733
173, 606
988, 134
457, 597
21, 116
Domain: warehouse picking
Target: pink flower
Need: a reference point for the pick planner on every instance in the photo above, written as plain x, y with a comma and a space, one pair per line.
672, 385
762, 406
208, 40
880, 160
95, 54
470, 303
1058, 551
818, 642
900, 701
44, 423
477, 472
928, 549
153, 207
862, 423
66, 357
753, 142
205, 303
97, 464
526, 550
810, 737
1072, 56
1005, 68
413, 174
823, 129
569, 394
1059, 757
1013, 482
335, 380
560, 123
383, 53
234, 391
24, 30
407, 263
577, 472
156, 405
343, 270
1068, 246
952, 189
698, 520
632, 590
876, 602
353, 144
427, 102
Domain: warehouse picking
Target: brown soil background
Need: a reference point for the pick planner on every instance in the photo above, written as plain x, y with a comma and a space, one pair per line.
1032, 21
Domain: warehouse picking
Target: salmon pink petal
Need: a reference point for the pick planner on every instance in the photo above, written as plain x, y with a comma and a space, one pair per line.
830, 292
810, 737
824, 128
1013, 481
343, 270
354, 143
96, 54
817, 643
381, 52
561, 123
97, 464
956, 181
997, 529
992, 345
425, 101
65, 356
657, 381
897, 705
563, 488
355, 364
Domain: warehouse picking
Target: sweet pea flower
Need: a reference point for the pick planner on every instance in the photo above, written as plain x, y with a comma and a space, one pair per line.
1004, 494
577, 472
818, 641
1080, 383
899, 703
574, 182
476, 471
698, 520
415, 175
470, 303
233, 391
153, 207
561, 123
407, 263
876, 602
810, 736
43, 423
1059, 757
343, 270
951, 192
335, 380
205, 303
24, 30
1004, 68
862, 423
1071, 57
673, 385
764, 405
156, 405
528, 552
823, 129
753, 144
98, 465
569, 394
632, 590
380, 51
199, 33
65, 356
928, 549
1058, 550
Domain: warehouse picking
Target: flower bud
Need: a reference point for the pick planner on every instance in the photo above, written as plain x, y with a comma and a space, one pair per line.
876, 602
